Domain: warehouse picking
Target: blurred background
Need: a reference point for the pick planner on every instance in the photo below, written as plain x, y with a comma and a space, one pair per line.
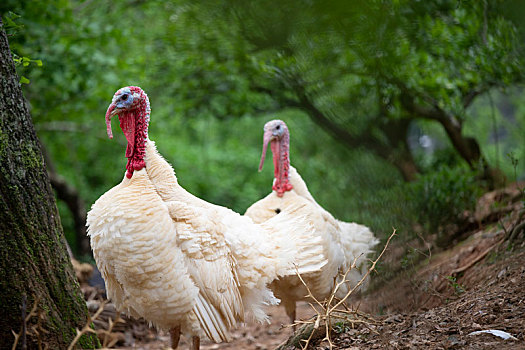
401, 113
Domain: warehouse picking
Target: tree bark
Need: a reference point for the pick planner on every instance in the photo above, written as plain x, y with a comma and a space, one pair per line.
33, 259
74, 202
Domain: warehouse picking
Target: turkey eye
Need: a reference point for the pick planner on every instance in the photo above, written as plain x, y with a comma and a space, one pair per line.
278, 127
124, 97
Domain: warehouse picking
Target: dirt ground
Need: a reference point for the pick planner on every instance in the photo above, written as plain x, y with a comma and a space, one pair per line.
490, 296
431, 303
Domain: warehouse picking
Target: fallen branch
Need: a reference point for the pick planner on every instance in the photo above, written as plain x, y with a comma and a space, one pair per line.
476, 259
109, 338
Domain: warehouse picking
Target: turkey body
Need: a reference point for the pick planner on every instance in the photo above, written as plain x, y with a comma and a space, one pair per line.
343, 243
153, 271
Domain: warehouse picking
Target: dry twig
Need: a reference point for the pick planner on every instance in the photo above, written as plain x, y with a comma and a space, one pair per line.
87, 327
109, 339
25, 319
335, 308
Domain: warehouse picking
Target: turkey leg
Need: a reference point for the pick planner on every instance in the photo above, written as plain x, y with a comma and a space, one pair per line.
175, 337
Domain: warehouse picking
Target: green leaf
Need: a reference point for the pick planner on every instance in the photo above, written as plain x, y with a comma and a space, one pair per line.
24, 80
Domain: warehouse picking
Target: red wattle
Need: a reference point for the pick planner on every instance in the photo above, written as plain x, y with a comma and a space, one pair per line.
281, 164
134, 124
127, 124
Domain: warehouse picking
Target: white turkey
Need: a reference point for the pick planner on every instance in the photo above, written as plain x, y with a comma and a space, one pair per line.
342, 242
177, 261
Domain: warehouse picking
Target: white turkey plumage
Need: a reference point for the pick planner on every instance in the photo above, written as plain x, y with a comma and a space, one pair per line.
342, 242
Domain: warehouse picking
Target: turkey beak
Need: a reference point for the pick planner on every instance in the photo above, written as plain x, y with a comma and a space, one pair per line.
112, 110
267, 137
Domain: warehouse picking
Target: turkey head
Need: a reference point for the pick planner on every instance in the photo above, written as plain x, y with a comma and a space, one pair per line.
276, 133
131, 104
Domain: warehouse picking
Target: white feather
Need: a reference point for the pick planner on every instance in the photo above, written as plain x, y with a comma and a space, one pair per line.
340, 242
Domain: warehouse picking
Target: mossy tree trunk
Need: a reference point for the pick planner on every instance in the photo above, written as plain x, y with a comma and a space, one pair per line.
33, 259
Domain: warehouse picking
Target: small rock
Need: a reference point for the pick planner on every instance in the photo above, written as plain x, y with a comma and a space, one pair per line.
260, 346
393, 318
454, 341
502, 273
352, 332
250, 339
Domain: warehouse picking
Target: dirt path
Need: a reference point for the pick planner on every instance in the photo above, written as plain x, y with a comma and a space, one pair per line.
490, 295
251, 336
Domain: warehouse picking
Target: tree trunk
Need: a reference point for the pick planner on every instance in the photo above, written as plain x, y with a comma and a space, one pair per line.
467, 147
34, 264
75, 204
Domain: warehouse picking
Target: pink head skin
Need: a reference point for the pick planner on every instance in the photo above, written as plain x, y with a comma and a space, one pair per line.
276, 133
131, 104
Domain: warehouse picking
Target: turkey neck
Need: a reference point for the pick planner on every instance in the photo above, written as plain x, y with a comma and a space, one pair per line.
299, 186
281, 164
161, 173
163, 177
134, 124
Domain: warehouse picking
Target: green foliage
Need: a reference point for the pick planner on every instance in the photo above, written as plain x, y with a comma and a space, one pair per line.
431, 204
216, 72
366, 63
500, 123
441, 197
10, 25
458, 288
389, 208
340, 327
26, 61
